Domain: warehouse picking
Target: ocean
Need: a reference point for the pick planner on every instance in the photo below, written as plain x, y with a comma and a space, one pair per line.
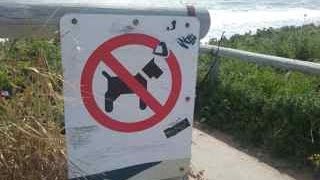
232, 16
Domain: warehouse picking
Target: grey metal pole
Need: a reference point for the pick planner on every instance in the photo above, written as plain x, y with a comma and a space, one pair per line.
279, 62
17, 19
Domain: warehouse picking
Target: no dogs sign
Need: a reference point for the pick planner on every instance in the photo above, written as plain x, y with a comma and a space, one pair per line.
129, 94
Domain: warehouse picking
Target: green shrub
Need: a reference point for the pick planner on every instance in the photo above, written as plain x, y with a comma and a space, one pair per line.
268, 107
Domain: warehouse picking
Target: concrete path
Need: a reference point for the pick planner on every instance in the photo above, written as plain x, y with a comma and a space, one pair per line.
223, 162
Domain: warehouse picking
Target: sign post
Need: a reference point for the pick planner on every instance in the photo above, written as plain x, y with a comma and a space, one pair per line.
129, 95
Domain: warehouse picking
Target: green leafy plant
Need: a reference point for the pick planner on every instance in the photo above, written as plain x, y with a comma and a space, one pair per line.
267, 107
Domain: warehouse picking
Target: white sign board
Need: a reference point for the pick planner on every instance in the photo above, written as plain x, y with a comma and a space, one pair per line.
129, 87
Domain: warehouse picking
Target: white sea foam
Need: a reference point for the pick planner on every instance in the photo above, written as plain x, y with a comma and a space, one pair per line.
2, 40
240, 22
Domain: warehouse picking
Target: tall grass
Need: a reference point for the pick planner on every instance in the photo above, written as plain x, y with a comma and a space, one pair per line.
31, 140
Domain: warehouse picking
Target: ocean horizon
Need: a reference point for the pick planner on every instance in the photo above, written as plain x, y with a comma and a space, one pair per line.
229, 16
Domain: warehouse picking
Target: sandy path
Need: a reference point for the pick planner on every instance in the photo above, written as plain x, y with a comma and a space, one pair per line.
220, 161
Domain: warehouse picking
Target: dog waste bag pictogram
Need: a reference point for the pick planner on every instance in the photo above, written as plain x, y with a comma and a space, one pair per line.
129, 88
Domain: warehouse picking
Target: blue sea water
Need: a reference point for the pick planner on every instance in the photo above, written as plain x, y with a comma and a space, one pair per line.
231, 16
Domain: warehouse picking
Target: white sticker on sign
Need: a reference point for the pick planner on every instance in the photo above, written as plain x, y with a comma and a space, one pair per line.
129, 87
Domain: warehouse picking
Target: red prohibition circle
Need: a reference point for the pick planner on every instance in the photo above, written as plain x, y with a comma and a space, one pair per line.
103, 53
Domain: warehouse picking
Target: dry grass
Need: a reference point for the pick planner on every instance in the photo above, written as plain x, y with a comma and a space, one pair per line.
31, 150
31, 144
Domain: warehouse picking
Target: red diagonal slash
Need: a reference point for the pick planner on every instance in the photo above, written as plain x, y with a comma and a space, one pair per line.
131, 82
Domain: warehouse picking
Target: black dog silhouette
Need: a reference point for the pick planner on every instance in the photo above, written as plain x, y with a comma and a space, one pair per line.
116, 87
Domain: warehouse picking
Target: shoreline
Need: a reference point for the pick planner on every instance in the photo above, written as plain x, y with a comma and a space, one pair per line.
241, 21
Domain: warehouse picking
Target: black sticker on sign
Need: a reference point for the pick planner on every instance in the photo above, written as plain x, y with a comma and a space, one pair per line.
186, 41
174, 130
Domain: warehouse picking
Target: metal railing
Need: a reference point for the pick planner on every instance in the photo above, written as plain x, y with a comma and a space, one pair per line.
274, 61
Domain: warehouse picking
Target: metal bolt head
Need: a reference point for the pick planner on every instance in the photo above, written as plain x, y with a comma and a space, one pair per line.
135, 22
188, 98
74, 21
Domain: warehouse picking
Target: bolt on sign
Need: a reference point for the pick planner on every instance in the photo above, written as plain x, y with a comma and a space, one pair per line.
129, 88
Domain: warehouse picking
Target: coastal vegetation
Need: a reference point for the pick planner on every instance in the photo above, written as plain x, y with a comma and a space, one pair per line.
261, 106
266, 107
